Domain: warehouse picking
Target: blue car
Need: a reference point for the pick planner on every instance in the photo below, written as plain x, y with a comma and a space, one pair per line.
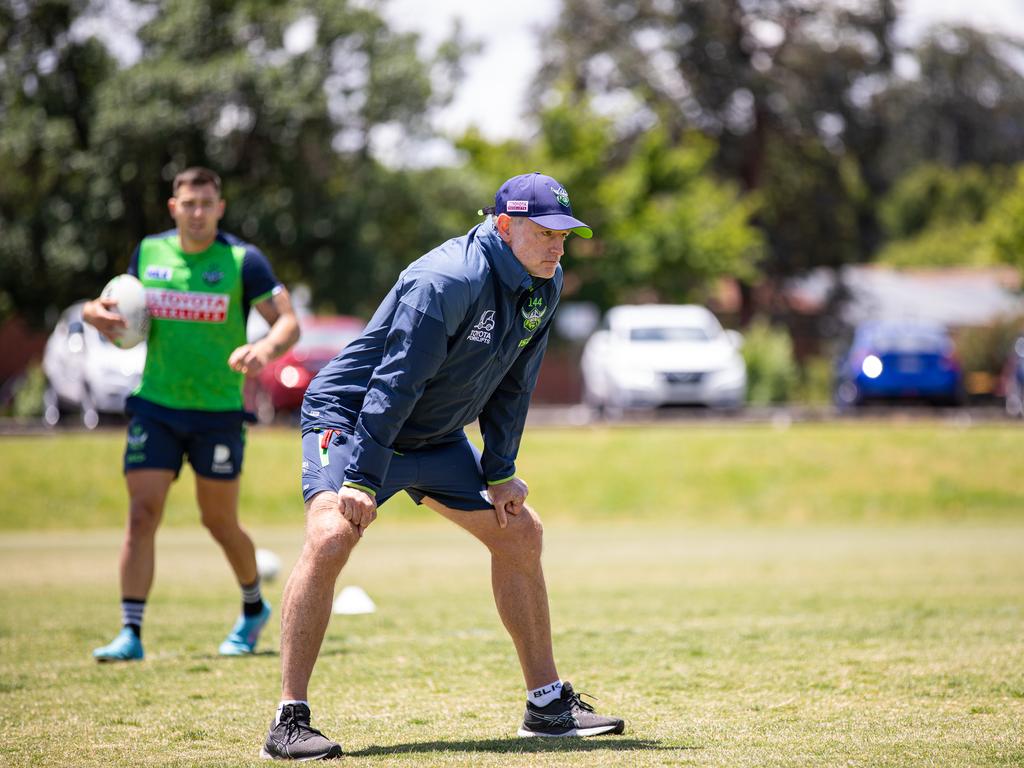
890, 360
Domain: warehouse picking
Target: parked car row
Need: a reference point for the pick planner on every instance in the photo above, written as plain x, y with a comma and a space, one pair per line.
641, 356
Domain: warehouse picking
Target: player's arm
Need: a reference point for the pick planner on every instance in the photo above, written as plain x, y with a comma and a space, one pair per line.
279, 313
501, 424
261, 290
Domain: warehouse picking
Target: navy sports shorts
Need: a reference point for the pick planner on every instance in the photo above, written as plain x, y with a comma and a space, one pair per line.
448, 473
160, 438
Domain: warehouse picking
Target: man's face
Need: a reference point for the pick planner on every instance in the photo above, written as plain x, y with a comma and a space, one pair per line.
196, 209
538, 248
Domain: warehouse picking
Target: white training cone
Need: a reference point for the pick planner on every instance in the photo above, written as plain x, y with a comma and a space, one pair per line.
353, 600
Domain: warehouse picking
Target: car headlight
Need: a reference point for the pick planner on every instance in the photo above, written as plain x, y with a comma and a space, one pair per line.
289, 376
732, 375
634, 378
872, 366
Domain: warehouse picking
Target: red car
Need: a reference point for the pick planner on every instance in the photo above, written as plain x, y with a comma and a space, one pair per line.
281, 385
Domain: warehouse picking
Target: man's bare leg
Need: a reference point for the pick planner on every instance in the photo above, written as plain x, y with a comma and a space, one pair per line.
147, 494
517, 580
218, 506
309, 593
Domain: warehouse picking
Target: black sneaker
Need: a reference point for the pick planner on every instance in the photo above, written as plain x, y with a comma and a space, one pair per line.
567, 716
293, 738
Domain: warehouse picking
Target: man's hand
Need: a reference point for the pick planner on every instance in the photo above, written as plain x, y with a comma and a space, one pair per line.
249, 358
508, 499
358, 507
99, 314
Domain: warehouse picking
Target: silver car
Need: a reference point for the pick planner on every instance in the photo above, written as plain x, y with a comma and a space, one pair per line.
85, 372
644, 356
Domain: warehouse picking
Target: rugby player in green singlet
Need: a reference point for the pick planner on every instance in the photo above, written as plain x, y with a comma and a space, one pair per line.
200, 283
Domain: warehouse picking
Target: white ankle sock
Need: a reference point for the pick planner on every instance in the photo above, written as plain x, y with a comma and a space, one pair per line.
283, 704
541, 697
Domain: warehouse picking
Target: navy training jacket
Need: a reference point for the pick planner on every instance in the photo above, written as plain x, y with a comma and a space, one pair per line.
460, 336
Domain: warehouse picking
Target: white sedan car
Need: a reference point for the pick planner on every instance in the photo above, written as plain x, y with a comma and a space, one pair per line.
85, 372
649, 355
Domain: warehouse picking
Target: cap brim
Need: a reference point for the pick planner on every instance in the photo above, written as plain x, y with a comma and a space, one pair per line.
561, 221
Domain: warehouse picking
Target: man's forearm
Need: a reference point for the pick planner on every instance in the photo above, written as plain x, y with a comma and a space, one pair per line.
281, 336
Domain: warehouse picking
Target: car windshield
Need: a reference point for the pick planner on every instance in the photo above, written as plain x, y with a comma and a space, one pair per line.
669, 333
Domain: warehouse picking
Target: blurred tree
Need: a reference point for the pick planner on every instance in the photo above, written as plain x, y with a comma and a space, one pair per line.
813, 104
957, 101
783, 85
664, 225
939, 216
1005, 225
50, 222
288, 101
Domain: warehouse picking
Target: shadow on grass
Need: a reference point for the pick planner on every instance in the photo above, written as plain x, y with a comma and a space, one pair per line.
517, 746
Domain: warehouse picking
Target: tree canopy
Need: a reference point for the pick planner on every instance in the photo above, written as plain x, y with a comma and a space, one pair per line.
753, 139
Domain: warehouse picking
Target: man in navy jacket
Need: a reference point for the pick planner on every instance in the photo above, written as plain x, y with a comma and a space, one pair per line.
460, 337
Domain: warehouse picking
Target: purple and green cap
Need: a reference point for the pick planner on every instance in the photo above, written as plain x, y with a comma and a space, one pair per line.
542, 200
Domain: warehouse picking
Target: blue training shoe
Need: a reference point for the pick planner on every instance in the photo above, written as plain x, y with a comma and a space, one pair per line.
125, 647
245, 633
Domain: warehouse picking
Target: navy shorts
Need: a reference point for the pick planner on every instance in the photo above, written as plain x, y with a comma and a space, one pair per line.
157, 439
448, 473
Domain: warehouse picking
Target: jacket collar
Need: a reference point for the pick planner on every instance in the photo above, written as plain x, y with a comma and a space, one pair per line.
511, 273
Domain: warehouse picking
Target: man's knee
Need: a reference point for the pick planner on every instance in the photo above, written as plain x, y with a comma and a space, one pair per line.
143, 516
329, 536
524, 537
220, 526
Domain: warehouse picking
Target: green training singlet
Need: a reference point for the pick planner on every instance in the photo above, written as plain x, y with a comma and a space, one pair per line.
195, 302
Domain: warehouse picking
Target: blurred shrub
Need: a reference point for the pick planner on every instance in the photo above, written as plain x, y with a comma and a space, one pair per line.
1006, 225
933, 194
939, 216
28, 400
984, 350
815, 384
772, 373
943, 245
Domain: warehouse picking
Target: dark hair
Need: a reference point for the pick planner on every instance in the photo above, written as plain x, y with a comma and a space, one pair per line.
196, 176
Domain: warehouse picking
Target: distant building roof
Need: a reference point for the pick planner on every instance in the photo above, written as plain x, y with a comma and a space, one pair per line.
954, 297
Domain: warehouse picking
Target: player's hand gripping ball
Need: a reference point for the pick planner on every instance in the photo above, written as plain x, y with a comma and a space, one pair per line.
130, 296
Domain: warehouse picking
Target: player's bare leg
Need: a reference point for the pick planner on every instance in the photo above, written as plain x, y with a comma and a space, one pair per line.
521, 596
218, 507
306, 611
147, 494
309, 593
517, 580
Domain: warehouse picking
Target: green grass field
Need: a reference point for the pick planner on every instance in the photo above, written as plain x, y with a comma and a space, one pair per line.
824, 595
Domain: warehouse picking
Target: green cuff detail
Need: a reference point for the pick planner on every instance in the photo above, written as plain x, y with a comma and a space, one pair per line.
501, 482
362, 488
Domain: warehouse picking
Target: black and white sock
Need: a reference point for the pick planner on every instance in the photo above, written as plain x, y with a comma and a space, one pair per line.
131, 614
252, 599
541, 697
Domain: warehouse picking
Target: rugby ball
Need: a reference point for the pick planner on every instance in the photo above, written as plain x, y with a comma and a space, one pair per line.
130, 296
